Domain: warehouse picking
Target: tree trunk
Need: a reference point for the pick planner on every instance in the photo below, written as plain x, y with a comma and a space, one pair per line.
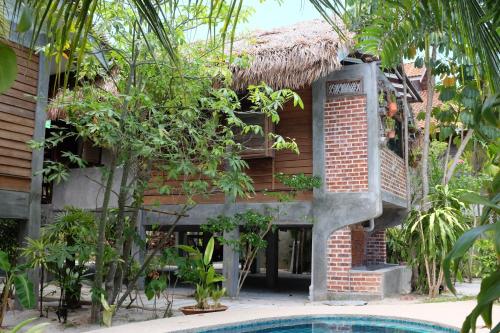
447, 158
144, 175
5, 298
120, 226
95, 316
428, 109
42, 272
459, 153
150, 257
406, 112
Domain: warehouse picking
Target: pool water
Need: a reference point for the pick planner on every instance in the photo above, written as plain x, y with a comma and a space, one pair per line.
337, 324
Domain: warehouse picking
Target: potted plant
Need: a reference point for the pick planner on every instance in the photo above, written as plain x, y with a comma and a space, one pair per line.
392, 106
390, 130
382, 103
206, 280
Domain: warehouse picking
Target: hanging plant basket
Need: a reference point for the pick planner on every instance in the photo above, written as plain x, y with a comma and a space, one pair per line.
391, 134
392, 109
193, 309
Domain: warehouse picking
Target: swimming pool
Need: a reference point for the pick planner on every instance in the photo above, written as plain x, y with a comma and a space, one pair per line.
329, 324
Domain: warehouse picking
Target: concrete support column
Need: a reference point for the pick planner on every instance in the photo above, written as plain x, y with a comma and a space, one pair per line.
32, 227
272, 259
230, 269
139, 252
319, 264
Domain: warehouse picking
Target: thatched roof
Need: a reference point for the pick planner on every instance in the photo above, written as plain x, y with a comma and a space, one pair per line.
57, 105
290, 57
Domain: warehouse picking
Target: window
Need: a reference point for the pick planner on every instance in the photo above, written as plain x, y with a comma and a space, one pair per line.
257, 145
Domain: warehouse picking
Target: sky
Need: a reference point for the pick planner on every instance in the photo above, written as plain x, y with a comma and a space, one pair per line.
272, 14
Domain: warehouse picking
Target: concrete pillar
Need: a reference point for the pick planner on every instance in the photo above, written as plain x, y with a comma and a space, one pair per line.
272, 259
32, 227
231, 263
139, 252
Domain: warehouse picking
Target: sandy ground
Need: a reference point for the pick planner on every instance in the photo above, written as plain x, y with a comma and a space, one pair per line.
253, 305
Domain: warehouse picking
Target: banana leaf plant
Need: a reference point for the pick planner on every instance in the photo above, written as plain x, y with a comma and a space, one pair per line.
15, 277
205, 276
490, 286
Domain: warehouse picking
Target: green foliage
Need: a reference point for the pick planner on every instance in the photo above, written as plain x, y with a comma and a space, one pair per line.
205, 276
397, 245
296, 184
39, 328
65, 247
485, 257
24, 291
109, 310
432, 233
217, 294
15, 278
490, 285
8, 68
9, 230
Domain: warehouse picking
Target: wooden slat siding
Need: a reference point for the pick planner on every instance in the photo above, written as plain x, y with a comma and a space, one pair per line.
17, 102
297, 124
294, 123
7, 152
15, 145
25, 88
21, 95
180, 199
5, 108
15, 171
17, 114
15, 184
13, 161
20, 137
13, 127
13, 119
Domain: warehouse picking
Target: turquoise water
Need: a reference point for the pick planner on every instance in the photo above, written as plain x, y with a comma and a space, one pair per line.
337, 324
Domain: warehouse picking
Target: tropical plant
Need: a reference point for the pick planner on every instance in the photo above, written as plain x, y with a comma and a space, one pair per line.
39, 328
109, 311
205, 277
216, 295
489, 227
36, 254
397, 245
485, 257
9, 230
432, 234
15, 278
253, 227
64, 249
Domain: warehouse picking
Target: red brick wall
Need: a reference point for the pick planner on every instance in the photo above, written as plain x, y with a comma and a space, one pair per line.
376, 248
340, 277
393, 173
346, 144
339, 260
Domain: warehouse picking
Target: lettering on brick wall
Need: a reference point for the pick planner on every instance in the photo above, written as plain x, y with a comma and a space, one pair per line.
344, 87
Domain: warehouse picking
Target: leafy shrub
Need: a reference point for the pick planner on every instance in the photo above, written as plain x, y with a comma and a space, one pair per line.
9, 230
485, 258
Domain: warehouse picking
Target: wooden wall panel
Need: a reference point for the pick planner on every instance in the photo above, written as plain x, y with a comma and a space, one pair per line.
17, 114
294, 123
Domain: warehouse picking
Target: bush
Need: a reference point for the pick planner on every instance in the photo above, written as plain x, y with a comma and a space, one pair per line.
9, 231
485, 258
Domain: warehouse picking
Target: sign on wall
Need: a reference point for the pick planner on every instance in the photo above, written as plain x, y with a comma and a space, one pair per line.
344, 87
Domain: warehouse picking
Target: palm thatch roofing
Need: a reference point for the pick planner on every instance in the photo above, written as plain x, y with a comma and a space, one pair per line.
57, 105
289, 57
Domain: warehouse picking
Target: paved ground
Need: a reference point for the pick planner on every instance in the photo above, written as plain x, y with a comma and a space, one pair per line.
447, 313
254, 304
